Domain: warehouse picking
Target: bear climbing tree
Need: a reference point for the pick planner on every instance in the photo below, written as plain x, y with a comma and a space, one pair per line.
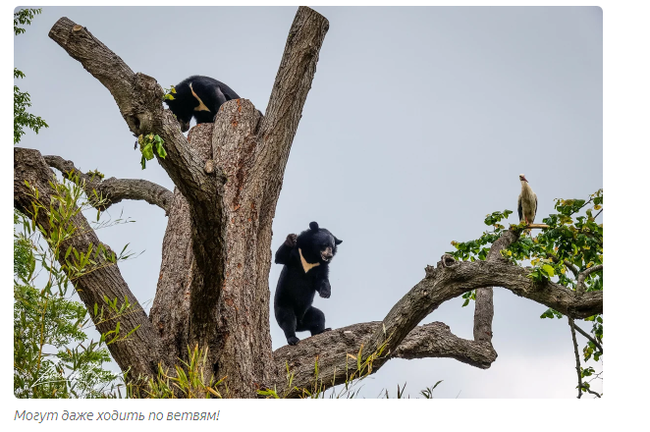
199, 97
213, 289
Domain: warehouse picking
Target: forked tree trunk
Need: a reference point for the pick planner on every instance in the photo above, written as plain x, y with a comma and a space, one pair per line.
249, 152
213, 287
236, 332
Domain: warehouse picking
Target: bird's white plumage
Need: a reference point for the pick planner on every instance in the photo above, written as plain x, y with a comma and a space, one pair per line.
527, 202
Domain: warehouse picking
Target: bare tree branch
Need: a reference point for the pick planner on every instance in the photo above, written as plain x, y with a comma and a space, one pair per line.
577, 356
436, 340
483, 303
290, 89
139, 98
592, 392
588, 336
414, 306
114, 190
331, 349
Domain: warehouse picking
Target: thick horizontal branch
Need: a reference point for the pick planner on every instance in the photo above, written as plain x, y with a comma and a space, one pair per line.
437, 340
443, 284
331, 350
451, 280
113, 190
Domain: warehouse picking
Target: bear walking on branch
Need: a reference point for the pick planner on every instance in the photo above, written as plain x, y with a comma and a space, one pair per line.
198, 96
306, 259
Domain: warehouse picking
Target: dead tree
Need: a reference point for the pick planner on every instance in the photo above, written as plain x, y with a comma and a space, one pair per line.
213, 289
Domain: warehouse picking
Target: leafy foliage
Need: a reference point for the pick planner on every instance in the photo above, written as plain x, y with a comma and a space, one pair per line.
169, 94
53, 357
571, 241
187, 381
566, 249
24, 17
148, 145
22, 100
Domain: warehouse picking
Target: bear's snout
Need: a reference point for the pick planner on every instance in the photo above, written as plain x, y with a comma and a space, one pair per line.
326, 254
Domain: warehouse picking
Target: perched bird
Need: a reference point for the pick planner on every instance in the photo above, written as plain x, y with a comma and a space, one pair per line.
527, 202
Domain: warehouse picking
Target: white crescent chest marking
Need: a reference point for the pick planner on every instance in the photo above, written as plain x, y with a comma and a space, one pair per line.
201, 106
305, 265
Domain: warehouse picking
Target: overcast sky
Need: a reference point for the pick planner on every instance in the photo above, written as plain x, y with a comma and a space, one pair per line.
417, 125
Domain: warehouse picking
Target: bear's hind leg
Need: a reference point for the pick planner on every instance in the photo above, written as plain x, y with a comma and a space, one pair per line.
313, 320
287, 322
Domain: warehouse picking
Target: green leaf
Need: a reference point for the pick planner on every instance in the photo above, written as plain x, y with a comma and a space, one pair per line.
548, 270
147, 151
160, 150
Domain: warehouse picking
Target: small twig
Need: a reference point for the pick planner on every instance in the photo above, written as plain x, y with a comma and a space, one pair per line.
571, 267
580, 288
598, 214
588, 336
584, 205
595, 377
567, 263
577, 355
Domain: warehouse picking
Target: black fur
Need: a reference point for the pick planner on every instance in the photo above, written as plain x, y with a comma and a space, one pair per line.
212, 93
296, 288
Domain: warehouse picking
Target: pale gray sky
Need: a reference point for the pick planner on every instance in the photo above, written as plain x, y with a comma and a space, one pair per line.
417, 125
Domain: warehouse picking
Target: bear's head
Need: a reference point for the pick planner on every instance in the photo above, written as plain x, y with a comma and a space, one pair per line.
181, 111
317, 245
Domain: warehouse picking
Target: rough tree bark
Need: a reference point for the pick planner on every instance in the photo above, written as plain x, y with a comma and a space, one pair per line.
213, 289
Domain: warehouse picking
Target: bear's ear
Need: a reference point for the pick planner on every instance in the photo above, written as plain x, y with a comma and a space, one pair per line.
337, 241
313, 226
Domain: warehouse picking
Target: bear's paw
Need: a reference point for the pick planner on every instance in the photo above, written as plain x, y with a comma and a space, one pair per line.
291, 241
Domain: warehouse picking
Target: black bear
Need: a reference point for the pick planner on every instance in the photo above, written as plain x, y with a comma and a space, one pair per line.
198, 96
306, 259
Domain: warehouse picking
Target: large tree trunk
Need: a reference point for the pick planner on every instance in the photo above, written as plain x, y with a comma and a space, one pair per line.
228, 314
213, 289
